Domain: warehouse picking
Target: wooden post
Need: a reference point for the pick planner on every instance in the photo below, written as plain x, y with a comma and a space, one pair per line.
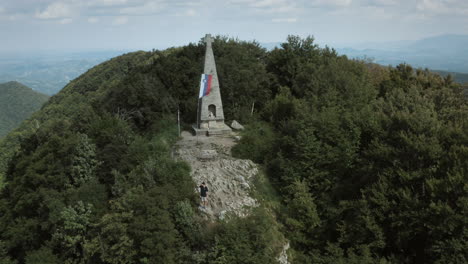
178, 120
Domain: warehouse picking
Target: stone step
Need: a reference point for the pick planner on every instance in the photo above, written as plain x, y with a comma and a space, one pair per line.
216, 132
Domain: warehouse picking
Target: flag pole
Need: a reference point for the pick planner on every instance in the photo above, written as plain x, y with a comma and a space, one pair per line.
198, 113
198, 104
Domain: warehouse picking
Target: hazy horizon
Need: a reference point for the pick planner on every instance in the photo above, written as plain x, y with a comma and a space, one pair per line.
96, 25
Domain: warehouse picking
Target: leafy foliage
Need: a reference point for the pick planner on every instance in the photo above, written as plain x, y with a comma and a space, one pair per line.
17, 102
360, 155
369, 162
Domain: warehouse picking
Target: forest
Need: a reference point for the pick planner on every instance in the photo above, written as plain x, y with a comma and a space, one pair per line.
17, 102
361, 163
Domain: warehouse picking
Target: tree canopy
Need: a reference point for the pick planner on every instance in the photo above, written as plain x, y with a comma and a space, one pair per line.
17, 102
367, 163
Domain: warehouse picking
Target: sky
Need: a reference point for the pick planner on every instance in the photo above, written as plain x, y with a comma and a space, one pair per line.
77, 25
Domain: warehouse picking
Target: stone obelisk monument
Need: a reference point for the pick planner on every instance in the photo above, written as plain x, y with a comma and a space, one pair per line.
210, 116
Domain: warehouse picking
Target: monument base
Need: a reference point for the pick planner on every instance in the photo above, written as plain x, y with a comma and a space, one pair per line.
219, 131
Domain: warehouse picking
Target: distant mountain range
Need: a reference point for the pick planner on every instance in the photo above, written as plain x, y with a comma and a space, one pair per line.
442, 54
17, 102
50, 72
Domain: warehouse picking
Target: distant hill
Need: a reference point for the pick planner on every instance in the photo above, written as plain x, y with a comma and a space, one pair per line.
17, 102
458, 77
448, 44
444, 53
49, 72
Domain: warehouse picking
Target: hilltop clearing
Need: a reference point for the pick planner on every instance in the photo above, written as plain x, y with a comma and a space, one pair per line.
229, 179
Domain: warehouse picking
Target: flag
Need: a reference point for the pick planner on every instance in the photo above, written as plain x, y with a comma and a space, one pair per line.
205, 85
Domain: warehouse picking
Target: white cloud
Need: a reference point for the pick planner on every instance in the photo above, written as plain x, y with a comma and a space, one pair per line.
442, 7
284, 20
290, 6
105, 3
9, 17
191, 12
191, 3
429, 5
93, 20
385, 2
112, 2
268, 3
187, 13
65, 21
55, 10
9, 14
268, 6
147, 8
331, 3
380, 2
122, 20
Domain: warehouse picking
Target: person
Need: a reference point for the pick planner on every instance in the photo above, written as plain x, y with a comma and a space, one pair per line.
203, 194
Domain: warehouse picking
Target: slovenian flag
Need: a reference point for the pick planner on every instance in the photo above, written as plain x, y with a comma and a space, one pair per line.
205, 85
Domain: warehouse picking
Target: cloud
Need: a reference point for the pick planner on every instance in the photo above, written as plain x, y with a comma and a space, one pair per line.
93, 20
9, 17
150, 7
442, 7
284, 20
55, 10
331, 3
383, 2
267, 6
269, 3
188, 13
118, 21
111, 2
429, 5
65, 21
191, 12
191, 3
290, 6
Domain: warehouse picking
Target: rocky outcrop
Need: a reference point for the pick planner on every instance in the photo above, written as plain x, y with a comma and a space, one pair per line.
229, 180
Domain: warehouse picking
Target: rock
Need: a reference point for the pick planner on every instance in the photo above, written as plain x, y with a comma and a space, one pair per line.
228, 178
222, 215
239, 178
237, 138
283, 258
202, 209
235, 125
207, 154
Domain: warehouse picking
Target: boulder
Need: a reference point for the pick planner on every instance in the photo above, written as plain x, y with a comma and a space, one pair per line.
235, 125
239, 178
222, 215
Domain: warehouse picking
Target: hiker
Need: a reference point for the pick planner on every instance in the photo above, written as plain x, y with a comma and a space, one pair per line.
203, 194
